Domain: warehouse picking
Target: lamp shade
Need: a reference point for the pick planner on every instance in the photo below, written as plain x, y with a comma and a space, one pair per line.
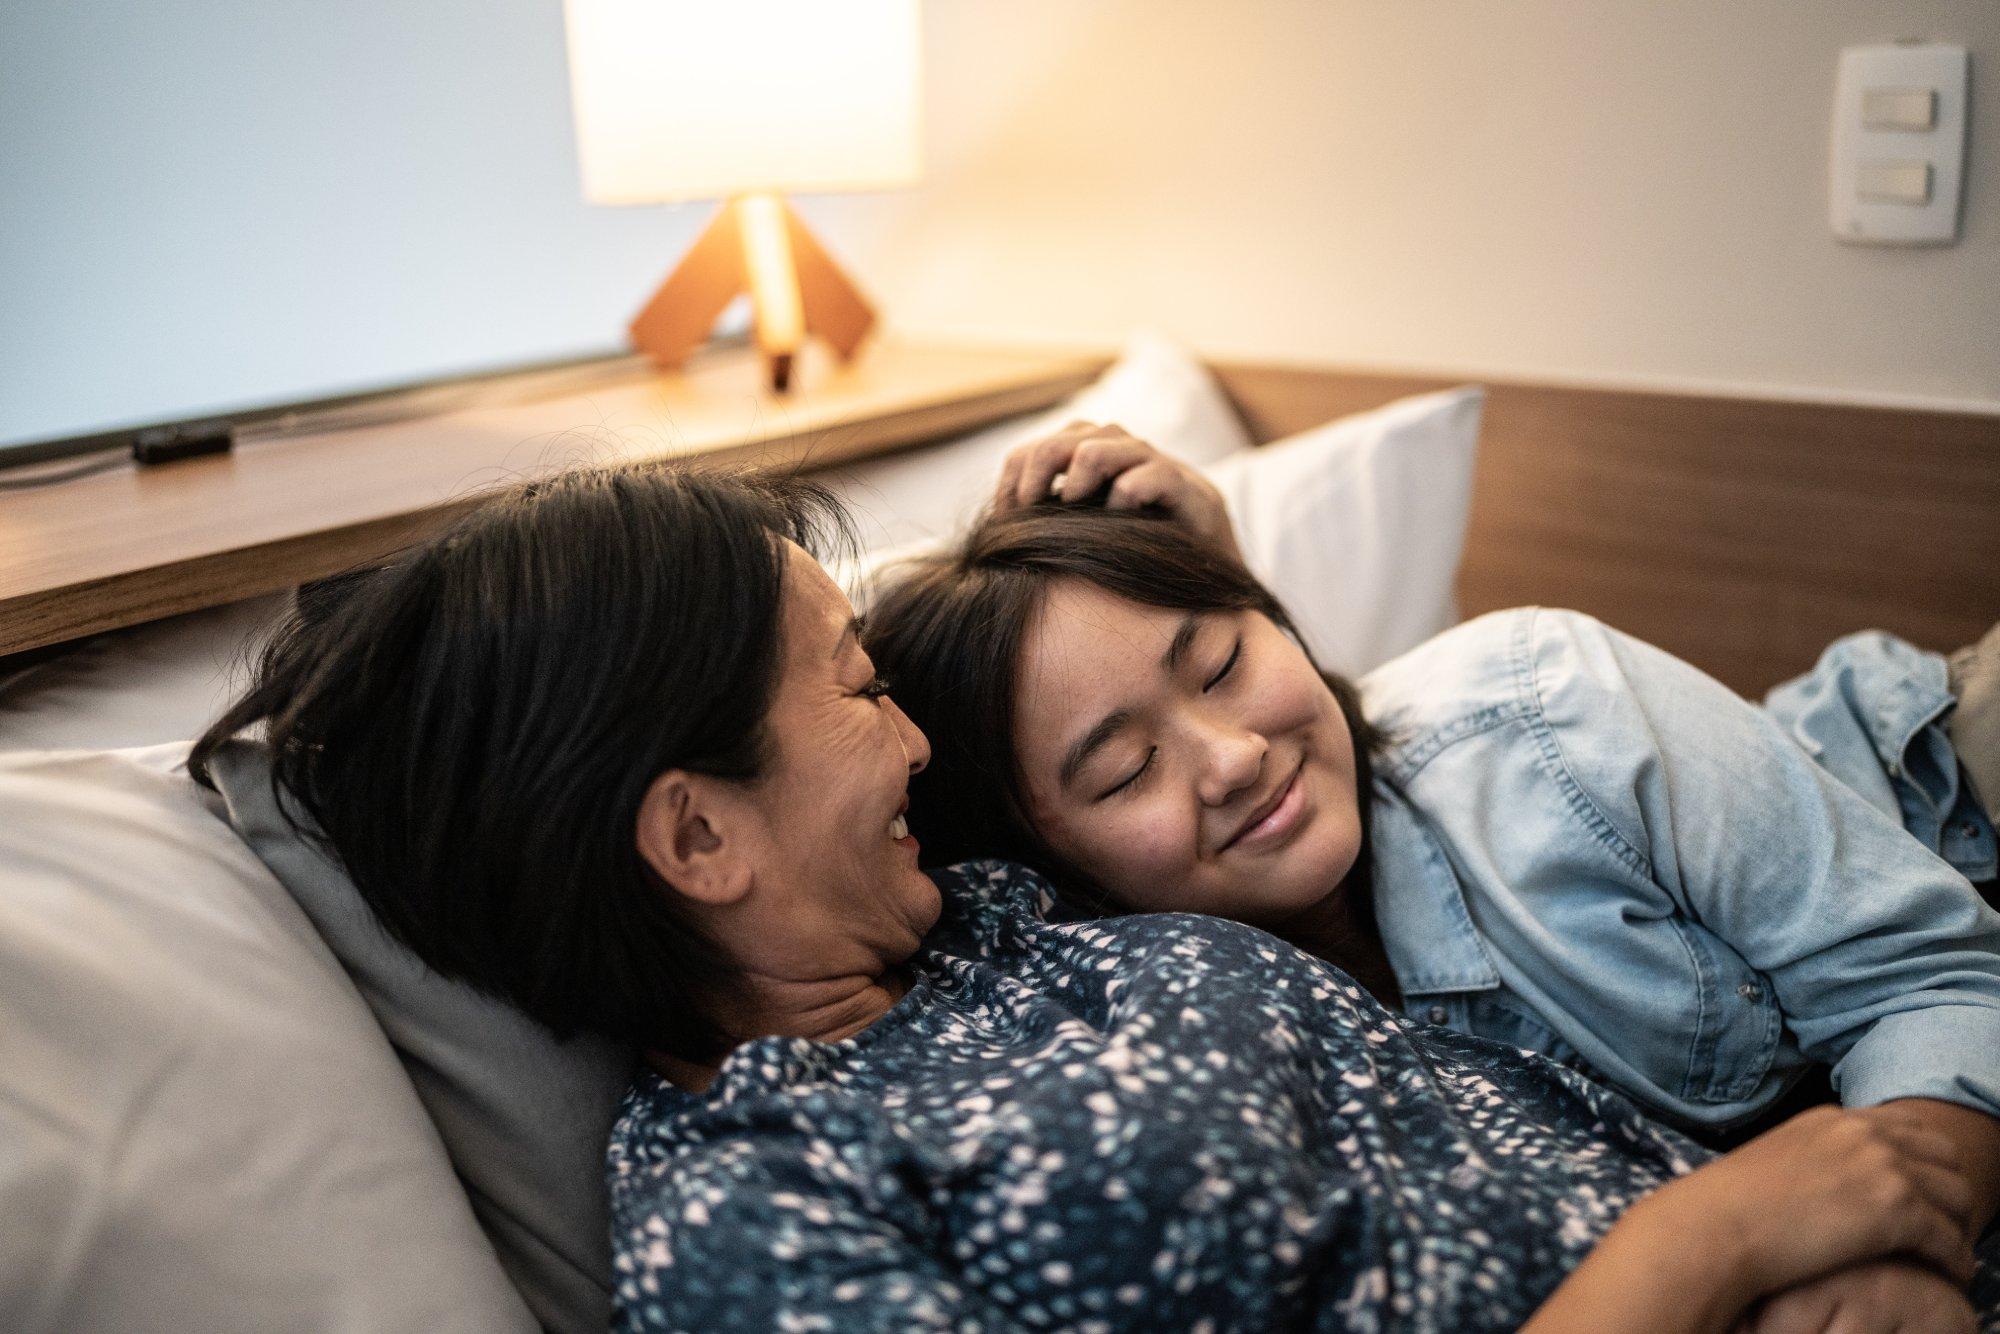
702, 99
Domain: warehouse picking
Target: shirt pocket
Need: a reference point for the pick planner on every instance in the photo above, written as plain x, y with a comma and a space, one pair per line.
1737, 1022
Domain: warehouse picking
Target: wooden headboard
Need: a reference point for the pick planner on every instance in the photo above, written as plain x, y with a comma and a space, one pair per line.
1740, 534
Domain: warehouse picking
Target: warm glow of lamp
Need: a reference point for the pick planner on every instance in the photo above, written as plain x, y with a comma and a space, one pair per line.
737, 100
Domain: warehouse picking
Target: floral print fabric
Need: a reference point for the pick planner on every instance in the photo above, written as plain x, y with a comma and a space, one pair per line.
1149, 1122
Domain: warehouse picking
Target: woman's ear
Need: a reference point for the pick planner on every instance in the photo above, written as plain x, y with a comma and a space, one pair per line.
692, 831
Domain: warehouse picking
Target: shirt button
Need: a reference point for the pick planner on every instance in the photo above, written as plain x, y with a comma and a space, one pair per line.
1895, 770
1439, 1014
1750, 991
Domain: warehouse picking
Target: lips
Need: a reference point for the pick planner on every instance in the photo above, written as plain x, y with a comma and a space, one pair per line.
1283, 796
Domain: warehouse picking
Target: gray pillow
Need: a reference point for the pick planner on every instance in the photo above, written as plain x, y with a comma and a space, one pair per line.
202, 1127
524, 1117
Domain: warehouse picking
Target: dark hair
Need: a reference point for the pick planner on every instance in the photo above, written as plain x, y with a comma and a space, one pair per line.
473, 724
946, 632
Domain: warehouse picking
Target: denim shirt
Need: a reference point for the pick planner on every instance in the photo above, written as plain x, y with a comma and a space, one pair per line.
1586, 847
1871, 712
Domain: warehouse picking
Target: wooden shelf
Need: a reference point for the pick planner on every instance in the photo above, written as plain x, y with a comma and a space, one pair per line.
133, 545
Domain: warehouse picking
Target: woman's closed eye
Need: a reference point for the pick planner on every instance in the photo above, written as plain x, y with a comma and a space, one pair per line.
875, 689
1131, 780
1229, 666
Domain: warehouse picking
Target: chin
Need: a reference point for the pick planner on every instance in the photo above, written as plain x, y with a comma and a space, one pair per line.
1297, 896
1317, 869
926, 904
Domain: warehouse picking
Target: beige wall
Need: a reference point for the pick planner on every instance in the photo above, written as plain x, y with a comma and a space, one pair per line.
1598, 190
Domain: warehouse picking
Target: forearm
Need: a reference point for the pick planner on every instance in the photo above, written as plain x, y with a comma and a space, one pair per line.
1651, 1274
1975, 1141
1824, 1192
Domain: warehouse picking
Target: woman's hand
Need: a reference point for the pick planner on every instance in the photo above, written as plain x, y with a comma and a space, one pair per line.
1083, 457
1825, 1191
1975, 1155
1880, 1297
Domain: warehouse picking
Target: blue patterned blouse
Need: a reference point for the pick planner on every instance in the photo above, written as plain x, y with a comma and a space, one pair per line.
1158, 1122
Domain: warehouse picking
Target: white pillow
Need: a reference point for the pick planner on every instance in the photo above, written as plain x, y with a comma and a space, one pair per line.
1358, 525
201, 1125
523, 1116
1156, 390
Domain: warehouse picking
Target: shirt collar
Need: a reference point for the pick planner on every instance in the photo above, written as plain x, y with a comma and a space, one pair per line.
1420, 905
1898, 693
1904, 704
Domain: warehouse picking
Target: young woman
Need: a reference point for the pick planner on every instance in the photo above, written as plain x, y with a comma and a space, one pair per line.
609, 748
1532, 828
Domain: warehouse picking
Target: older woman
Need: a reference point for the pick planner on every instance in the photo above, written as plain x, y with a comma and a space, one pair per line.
610, 748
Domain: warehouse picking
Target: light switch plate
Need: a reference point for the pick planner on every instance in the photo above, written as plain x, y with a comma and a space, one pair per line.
1864, 156
1895, 182
1899, 109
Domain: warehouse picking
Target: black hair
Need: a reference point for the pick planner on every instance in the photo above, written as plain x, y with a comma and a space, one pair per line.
470, 727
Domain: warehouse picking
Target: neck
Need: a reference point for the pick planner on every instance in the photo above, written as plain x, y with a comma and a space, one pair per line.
820, 1010
1340, 929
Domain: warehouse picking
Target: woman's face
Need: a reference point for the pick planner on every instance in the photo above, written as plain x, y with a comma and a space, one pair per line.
1186, 762
833, 885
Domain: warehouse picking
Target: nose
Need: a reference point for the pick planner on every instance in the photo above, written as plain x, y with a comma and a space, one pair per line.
1231, 760
916, 746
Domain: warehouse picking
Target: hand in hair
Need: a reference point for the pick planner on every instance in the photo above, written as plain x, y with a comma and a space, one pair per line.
1083, 459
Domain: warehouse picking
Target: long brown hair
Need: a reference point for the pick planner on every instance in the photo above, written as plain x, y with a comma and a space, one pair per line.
947, 631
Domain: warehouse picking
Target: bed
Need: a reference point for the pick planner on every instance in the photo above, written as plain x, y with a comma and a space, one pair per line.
1741, 534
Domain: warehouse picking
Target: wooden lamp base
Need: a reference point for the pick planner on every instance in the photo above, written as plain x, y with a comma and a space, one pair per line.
755, 243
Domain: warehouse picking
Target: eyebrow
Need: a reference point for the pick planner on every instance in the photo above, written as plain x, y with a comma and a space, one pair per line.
1183, 641
852, 631
1115, 722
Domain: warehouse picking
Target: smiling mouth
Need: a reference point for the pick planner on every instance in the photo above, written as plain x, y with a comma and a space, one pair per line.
1275, 814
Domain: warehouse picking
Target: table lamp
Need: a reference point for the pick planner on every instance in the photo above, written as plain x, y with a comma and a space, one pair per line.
737, 100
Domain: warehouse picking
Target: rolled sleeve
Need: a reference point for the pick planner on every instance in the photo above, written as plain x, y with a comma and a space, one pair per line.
1922, 1054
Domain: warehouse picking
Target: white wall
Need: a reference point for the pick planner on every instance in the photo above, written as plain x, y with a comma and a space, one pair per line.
213, 202
1620, 190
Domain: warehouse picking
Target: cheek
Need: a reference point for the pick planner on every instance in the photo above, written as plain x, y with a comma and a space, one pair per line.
1290, 700
849, 779
1140, 851
1287, 697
